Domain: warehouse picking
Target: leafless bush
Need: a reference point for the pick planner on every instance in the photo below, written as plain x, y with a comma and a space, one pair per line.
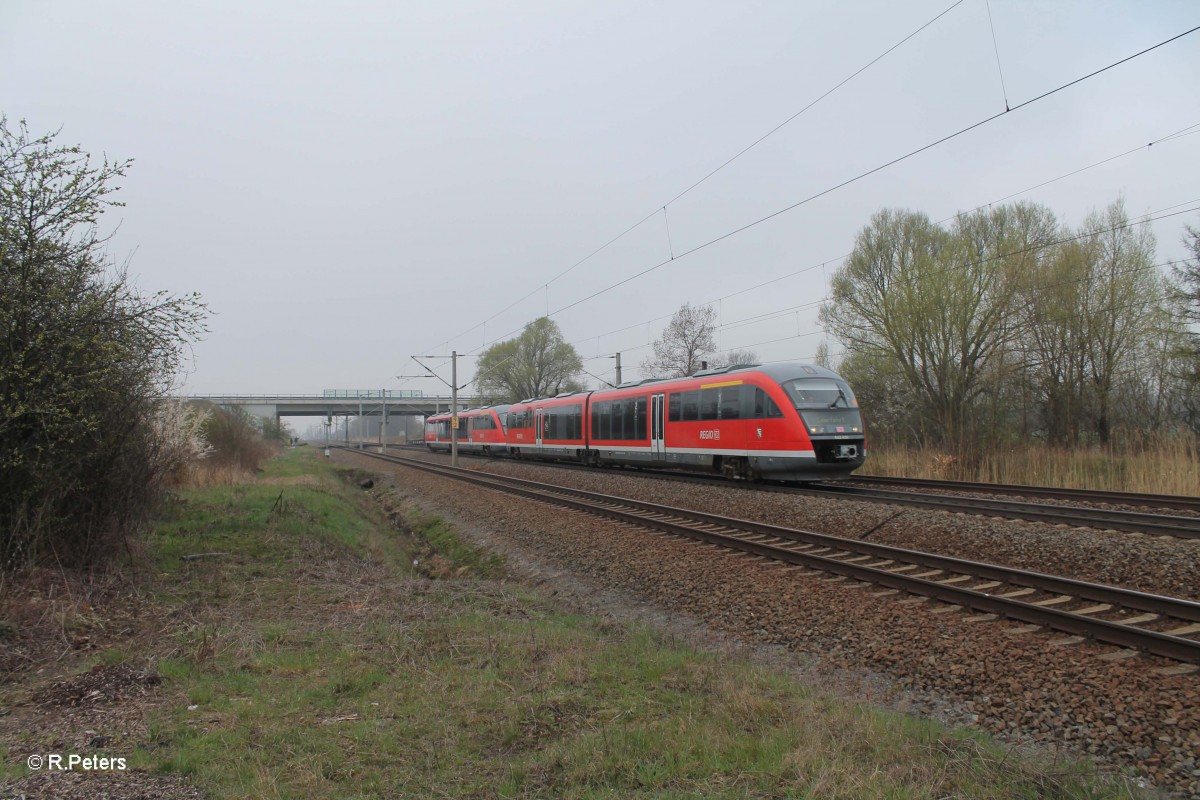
84, 362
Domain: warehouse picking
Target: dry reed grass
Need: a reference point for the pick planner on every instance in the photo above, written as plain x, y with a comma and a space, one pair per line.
1169, 465
204, 473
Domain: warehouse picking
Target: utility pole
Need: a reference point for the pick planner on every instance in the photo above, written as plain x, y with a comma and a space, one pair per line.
454, 408
618, 357
383, 427
454, 387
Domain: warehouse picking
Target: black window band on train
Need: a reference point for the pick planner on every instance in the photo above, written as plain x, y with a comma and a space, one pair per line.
621, 420
563, 422
725, 402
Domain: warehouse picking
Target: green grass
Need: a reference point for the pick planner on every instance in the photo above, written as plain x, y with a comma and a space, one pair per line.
313, 662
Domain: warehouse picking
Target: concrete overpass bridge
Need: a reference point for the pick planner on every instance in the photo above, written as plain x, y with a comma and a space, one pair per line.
354, 413
339, 403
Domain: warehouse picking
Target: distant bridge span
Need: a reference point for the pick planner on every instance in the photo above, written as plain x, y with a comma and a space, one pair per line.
337, 404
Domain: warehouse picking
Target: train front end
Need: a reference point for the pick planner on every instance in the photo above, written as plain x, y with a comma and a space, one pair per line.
825, 428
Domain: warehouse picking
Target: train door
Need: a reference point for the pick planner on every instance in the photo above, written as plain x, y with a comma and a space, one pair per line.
657, 429
537, 428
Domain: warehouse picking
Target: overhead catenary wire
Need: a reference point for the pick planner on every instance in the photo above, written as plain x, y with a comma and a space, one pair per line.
1157, 215
860, 176
722, 166
1188, 130
996, 50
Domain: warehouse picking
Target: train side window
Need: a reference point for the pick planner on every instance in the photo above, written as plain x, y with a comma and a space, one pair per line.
764, 406
643, 408
747, 394
596, 412
674, 406
731, 402
691, 406
630, 428
710, 404
576, 422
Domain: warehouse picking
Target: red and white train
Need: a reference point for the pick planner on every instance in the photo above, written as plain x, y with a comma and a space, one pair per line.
786, 421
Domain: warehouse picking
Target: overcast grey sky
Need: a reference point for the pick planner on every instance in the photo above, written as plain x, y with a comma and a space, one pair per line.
348, 184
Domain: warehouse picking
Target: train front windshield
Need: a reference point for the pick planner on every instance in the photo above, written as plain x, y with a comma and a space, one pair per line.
827, 406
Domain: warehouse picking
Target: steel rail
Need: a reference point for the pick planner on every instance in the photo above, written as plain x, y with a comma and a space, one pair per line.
1130, 521
684, 522
1050, 492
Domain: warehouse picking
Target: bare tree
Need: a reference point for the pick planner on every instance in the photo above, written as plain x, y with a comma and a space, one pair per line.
732, 358
1188, 295
1092, 312
821, 357
686, 341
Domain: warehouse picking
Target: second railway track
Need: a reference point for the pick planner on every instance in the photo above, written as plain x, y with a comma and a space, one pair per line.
1143, 522
1103, 518
1138, 621
1172, 501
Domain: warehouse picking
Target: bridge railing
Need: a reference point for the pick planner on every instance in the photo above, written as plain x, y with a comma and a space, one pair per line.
397, 394
356, 393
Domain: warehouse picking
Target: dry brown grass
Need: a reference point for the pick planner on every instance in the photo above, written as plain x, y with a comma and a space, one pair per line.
205, 473
1170, 465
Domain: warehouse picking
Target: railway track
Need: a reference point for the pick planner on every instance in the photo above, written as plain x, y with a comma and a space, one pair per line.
1050, 493
1136, 621
1103, 518
1168, 525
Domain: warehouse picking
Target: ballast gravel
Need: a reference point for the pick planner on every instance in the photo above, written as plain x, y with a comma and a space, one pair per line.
1024, 687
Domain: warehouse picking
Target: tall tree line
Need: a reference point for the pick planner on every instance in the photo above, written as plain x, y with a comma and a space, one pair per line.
1008, 325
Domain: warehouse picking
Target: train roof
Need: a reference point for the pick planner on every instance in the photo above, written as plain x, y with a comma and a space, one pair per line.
499, 409
790, 370
778, 371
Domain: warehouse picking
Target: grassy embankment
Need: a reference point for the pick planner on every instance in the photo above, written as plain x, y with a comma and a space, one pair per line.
1169, 466
313, 661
